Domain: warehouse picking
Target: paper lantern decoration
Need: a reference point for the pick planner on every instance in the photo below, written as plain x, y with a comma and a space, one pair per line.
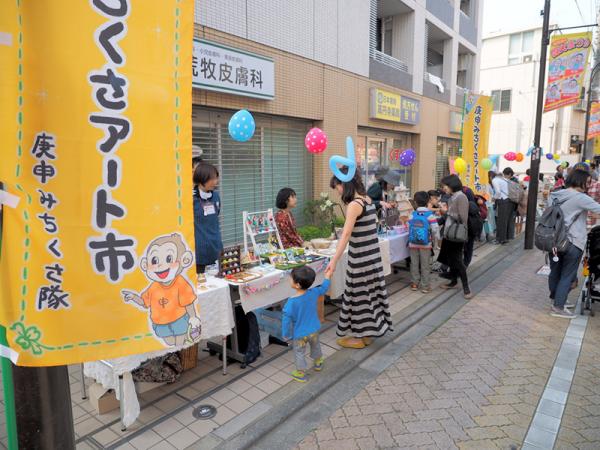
242, 126
486, 164
510, 156
549, 156
407, 157
519, 157
315, 141
556, 157
460, 165
348, 161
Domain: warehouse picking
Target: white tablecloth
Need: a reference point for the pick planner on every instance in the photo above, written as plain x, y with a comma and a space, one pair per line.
216, 316
398, 247
273, 288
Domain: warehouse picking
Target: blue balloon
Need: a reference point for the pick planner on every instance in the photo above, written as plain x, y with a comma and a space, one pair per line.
348, 161
549, 156
242, 126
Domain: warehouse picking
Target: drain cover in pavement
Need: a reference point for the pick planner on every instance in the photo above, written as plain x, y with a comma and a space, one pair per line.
204, 412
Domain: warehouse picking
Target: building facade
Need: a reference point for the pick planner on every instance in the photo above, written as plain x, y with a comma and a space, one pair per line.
390, 73
509, 73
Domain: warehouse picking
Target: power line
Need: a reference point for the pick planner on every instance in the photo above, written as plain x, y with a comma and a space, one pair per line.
579, 9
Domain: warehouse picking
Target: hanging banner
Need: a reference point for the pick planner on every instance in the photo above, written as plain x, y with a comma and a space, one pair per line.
566, 71
594, 125
95, 119
475, 138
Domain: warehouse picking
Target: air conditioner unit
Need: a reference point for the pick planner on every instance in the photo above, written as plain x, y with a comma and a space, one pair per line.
580, 106
527, 58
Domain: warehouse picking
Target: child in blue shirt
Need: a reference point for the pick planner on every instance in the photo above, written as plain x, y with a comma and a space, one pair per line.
301, 314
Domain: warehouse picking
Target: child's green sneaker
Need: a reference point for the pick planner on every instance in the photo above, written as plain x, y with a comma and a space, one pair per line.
299, 376
319, 364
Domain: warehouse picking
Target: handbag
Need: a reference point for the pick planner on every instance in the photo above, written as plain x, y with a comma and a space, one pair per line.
455, 231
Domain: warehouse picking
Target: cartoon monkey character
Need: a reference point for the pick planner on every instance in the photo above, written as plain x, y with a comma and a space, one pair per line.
170, 296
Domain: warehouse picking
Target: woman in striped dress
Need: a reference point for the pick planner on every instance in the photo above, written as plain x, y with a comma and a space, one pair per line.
365, 310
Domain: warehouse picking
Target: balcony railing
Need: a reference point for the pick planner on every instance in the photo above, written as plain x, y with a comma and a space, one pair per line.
389, 60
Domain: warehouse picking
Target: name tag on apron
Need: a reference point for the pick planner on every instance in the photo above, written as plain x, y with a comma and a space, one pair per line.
209, 210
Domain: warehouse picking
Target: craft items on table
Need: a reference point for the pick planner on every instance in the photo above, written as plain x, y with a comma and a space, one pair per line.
260, 225
230, 261
231, 268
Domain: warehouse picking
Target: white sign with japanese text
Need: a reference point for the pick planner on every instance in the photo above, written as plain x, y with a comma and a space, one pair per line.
216, 67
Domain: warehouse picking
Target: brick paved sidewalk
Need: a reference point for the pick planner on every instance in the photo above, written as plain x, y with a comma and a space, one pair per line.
473, 383
580, 427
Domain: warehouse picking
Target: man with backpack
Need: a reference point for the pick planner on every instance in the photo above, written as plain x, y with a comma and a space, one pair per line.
561, 232
515, 195
506, 204
422, 228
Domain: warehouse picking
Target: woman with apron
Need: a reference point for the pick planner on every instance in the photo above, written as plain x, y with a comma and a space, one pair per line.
207, 208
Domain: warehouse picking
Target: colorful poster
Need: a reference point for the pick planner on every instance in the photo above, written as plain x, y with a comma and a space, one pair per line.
594, 125
566, 71
95, 119
475, 138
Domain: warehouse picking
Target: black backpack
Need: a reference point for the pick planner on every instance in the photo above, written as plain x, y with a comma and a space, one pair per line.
253, 347
475, 223
551, 232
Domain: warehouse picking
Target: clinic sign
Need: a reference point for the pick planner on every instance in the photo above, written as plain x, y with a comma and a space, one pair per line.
216, 67
394, 107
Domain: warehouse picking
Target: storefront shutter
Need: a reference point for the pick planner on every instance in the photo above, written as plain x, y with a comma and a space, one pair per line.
445, 148
253, 172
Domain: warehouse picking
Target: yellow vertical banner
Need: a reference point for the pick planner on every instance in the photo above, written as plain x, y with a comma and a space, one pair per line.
475, 138
95, 119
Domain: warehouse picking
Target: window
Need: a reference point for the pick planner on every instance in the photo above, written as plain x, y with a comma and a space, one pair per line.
465, 7
520, 47
253, 172
384, 35
501, 100
445, 148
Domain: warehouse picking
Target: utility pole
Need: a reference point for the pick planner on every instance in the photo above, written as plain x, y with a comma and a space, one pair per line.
37, 401
536, 155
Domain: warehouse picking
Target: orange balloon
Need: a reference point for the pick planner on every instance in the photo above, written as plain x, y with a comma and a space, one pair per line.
519, 157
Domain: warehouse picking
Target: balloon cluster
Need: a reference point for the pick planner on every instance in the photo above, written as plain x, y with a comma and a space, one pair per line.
512, 156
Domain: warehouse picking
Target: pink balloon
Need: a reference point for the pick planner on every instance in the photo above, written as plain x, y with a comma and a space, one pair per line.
315, 141
510, 156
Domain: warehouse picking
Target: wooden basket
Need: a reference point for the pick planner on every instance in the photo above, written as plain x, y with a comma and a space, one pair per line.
189, 357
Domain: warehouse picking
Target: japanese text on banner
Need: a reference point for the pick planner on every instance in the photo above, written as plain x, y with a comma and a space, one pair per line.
95, 259
476, 130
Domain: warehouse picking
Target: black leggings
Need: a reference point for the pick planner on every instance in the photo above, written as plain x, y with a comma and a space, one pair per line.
458, 269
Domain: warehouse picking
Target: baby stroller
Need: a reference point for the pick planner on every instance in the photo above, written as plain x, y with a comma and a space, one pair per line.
591, 268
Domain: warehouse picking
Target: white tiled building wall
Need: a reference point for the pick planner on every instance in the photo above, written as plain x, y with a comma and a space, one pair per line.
334, 32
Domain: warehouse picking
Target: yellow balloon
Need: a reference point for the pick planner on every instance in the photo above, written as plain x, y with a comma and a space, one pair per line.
557, 157
587, 161
460, 165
